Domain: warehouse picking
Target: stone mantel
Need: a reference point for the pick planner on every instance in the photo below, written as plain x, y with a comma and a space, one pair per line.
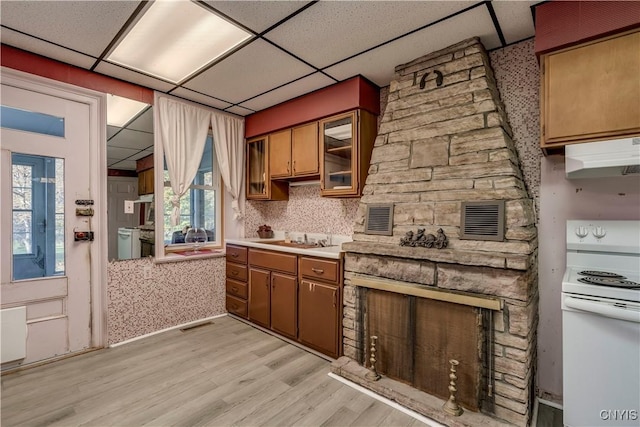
476, 258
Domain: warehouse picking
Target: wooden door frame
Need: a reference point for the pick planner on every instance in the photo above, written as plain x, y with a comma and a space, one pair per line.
97, 102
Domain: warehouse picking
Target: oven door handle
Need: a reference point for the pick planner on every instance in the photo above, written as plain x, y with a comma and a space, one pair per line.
603, 309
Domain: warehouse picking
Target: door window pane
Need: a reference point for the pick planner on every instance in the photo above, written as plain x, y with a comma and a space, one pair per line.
38, 216
29, 121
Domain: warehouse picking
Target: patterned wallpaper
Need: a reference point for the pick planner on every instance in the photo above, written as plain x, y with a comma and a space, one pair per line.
518, 77
305, 211
177, 293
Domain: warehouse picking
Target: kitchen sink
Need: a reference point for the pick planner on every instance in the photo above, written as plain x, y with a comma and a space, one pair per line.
293, 244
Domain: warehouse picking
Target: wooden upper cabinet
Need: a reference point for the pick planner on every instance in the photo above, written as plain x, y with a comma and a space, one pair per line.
145, 182
280, 154
591, 91
304, 150
258, 182
294, 152
346, 142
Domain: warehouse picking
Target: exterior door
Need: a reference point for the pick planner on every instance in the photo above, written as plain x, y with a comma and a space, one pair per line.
45, 186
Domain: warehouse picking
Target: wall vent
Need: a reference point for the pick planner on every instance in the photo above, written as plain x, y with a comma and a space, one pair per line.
482, 220
379, 219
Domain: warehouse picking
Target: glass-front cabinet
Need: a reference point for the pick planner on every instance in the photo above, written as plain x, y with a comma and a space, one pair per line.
346, 141
259, 185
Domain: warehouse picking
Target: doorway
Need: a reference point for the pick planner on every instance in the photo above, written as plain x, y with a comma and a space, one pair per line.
50, 219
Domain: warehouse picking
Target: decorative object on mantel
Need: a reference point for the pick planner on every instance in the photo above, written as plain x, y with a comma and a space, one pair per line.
265, 232
419, 239
373, 375
451, 406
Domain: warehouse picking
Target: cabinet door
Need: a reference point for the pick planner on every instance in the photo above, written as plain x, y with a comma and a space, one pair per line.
259, 299
283, 304
142, 183
318, 309
257, 169
338, 155
280, 154
148, 181
304, 149
592, 91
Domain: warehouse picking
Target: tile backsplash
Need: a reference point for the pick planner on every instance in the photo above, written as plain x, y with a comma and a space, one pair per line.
305, 211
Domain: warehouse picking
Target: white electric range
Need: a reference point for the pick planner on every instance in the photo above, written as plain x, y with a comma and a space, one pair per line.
601, 324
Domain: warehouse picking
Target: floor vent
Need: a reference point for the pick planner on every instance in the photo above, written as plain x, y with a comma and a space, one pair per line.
192, 327
379, 219
482, 220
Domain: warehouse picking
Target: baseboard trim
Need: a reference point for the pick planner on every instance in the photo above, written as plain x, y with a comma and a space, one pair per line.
183, 325
417, 416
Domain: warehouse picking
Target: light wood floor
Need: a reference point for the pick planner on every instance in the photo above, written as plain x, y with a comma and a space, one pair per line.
222, 374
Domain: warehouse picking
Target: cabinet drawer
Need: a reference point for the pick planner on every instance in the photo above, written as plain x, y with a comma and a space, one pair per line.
286, 263
236, 306
237, 254
237, 289
237, 271
320, 269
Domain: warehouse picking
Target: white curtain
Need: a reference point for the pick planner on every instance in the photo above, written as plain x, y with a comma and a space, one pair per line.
228, 138
183, 131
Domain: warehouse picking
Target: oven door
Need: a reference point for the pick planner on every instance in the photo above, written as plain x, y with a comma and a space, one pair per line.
601, 361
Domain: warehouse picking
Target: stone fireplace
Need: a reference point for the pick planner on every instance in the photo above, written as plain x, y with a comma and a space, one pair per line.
444, 141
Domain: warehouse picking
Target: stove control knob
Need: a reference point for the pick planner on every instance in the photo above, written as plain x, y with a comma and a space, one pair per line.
599, 232
582, 232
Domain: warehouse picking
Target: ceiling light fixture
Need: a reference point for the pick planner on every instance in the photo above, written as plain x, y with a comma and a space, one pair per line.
121, 110
174, 39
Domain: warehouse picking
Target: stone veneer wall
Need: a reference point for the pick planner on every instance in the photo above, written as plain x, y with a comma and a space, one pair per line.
437, 147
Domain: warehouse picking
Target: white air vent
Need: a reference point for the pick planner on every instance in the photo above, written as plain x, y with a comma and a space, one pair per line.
482, 220
379, 219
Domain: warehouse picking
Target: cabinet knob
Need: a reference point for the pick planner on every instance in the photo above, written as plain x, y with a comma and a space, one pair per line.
317, 270
234, 255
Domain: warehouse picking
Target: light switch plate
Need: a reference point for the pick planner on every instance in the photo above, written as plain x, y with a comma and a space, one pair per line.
128, 206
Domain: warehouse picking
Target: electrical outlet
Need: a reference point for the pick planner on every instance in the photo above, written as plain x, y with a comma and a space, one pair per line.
148, 273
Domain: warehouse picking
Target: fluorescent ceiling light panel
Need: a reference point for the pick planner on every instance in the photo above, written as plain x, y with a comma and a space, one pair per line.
174, 39
121, 110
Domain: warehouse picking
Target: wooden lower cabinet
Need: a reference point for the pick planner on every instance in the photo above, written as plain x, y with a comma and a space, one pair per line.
318, 316
284, 304
259, 297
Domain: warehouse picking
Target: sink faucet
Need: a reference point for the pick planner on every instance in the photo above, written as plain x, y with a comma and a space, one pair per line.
306, 241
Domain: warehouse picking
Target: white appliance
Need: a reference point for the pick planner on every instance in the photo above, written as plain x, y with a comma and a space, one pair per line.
603, 158
601, 324
128, 243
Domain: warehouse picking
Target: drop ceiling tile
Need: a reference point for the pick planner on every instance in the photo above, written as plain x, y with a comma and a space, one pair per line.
41, 47
143, 122
515, 19
241, 111
132, 139
256, 68
378, 65
84, 26
124, 164
257, 15
339, 29
133, 76
202, 99
120, 153
139, 155
112, 130
292, 90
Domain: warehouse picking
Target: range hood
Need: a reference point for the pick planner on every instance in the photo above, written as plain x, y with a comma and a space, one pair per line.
145, 198
603, 158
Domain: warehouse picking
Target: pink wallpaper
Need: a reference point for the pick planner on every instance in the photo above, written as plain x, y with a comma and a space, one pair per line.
305, 211
177, 293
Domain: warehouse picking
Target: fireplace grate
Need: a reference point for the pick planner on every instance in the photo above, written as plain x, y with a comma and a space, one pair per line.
482, 220
379, 219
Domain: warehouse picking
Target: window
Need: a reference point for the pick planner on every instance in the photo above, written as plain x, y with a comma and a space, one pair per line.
199, 207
